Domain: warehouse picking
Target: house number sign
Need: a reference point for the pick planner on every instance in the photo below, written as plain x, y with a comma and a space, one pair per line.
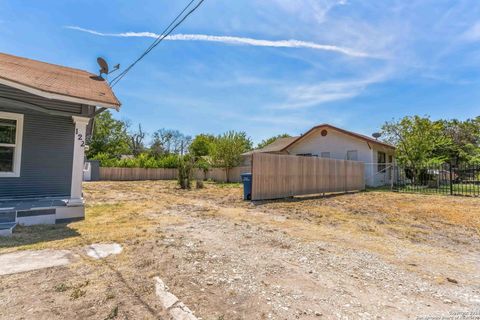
80, 138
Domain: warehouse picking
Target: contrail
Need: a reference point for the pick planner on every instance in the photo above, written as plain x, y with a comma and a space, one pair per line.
234, 40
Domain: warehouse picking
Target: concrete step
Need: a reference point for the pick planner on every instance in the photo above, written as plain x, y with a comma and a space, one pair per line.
7, 216
6, 229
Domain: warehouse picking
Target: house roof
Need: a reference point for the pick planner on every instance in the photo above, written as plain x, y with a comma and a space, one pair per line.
56, 82
275, 146
350, 133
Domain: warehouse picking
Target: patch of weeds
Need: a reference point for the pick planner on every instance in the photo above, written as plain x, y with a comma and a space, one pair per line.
145, 263
61, 287
77, 290
113, 314
110, 296
77, 293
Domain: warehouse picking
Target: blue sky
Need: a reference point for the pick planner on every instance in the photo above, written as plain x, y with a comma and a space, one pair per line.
266, 66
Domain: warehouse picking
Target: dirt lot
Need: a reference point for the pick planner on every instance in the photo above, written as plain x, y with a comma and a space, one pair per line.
356, 256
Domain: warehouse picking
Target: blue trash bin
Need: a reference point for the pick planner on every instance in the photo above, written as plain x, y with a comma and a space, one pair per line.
247, 186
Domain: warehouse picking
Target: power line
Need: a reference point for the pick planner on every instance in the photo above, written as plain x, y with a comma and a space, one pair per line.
159, 39
152, 45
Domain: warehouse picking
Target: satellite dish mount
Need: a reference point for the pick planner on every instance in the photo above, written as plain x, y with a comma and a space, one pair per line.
104, 67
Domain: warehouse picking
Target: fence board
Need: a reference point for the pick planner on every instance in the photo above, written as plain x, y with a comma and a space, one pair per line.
280, 176
132, 174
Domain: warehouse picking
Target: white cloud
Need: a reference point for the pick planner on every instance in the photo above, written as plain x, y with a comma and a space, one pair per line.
305, 96
292, 43
309, 9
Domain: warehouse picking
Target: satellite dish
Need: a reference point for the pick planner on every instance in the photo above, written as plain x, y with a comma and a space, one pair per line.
103, 65
376, 135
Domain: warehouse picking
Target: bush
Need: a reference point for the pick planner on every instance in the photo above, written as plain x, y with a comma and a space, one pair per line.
185, 168
141, 161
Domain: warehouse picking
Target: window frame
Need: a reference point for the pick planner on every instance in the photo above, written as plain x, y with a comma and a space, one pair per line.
17, 146
305, 155
355, 152
381, 166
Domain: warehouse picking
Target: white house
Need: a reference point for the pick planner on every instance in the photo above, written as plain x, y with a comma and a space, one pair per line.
328, 141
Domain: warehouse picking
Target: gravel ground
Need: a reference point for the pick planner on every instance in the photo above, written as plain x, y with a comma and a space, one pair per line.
374, 255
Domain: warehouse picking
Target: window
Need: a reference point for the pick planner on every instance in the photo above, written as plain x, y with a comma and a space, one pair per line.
11, 129
352, 155
325, 154
381, 159
305, 155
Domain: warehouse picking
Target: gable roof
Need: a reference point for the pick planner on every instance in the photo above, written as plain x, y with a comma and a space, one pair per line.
56, 82
275, 146
350, 133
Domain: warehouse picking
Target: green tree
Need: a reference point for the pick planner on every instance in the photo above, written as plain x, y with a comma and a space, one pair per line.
109, 136
266, 142
227, 149
417, 139
201, 145
463, 140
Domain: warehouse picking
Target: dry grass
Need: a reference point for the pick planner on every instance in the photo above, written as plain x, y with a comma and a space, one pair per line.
123, 211
176, 233
106, 221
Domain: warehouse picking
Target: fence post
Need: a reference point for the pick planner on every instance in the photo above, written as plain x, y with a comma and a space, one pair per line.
392, 173
451, 176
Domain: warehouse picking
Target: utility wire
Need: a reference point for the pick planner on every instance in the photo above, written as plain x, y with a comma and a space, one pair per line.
153, 43
168, 30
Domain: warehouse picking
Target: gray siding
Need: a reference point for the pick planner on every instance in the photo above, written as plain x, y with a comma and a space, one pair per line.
47, 151
47, 157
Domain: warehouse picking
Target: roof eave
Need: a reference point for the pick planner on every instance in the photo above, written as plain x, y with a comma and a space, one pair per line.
57, 96
339, 129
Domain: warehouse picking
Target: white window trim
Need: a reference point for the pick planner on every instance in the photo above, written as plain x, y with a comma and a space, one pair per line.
17, 155
352, 151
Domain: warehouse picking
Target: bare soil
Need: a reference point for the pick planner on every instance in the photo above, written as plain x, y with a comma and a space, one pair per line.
369, 255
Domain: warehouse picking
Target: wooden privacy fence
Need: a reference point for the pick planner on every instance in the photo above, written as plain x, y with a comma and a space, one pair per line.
131, 174
281, 176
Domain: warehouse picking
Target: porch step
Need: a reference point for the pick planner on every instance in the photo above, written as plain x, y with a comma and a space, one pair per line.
7, 216
6, 229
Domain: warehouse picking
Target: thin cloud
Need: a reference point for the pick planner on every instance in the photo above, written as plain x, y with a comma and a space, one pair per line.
305, 96
235, 40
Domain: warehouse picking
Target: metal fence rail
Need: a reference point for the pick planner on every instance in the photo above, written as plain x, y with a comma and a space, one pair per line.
448, 179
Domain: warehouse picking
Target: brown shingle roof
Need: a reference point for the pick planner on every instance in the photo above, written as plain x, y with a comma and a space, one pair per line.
275, 146
56, 81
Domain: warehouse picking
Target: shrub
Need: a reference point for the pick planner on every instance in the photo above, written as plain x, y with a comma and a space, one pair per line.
143, 160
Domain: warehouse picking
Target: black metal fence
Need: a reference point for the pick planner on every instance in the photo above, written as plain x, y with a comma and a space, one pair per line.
448, 179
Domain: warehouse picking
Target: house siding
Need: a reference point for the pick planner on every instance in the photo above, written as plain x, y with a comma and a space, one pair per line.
47, 148
338, 144
335, 142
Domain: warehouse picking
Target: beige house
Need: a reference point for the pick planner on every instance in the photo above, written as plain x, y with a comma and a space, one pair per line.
328, 141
